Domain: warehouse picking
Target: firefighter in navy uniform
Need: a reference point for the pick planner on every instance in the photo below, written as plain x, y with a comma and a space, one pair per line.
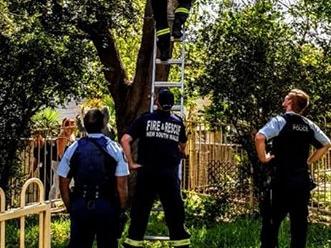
291, 135
161, 146
162, 26
99, 196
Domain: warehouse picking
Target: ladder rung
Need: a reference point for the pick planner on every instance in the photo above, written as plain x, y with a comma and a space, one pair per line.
174, 108
159, 209
171, 17
169, 61
157, 238
167, 84
181, 39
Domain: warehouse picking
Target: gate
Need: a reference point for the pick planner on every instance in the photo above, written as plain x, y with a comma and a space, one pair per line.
36, 208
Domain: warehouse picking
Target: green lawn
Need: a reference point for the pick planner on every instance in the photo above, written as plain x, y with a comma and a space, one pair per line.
244, 232
241, 233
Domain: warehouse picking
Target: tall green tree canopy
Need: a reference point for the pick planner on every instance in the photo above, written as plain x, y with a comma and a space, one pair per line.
254, 56
46, 58
54, 50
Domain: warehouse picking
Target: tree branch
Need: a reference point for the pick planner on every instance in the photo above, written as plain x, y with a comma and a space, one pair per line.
141, 83
108, 53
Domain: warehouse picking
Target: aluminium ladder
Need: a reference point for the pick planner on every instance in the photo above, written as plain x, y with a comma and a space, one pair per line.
178, 108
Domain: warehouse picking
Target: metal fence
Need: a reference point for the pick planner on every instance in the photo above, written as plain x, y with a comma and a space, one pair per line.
40, 159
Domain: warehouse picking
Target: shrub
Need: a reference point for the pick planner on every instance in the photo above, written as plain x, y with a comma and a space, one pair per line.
60, 228
205, 210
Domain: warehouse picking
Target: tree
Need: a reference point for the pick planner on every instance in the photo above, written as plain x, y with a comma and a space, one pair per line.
42, 64
254, 58
131, 97
48, 48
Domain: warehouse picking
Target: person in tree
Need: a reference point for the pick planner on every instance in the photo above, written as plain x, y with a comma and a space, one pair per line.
162, 26
292, 135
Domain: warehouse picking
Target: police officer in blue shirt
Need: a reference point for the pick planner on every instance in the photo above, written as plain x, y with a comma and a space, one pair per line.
100, 174
161, 146
291, 135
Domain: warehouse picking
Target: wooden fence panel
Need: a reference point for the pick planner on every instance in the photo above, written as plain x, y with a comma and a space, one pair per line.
211, 147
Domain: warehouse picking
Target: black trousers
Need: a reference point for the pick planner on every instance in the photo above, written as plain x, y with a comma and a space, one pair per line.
276, 204
93, 220
160, 11
166, 184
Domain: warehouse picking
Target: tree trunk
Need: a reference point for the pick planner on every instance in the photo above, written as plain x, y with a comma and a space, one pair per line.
130, 98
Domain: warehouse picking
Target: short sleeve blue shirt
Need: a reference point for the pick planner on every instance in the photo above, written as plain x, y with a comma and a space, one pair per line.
276, 124
113, 149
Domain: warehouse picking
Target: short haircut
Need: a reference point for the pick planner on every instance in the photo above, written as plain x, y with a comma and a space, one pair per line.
93, 121
105, 111
300, 100
166, 99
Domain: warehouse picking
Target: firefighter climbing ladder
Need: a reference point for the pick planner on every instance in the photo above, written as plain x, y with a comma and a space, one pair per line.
179, 108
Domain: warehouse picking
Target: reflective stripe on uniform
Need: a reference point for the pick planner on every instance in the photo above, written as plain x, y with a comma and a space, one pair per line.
177, 243
135, 243
182, 10
163, 31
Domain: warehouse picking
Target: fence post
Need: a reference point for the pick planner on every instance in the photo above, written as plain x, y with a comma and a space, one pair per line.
2, 223
192, 158
44, 217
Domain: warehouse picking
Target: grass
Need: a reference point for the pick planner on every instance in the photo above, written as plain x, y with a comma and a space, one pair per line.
244, 233
241, 233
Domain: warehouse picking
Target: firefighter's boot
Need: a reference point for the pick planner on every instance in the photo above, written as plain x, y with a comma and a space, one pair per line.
130, 243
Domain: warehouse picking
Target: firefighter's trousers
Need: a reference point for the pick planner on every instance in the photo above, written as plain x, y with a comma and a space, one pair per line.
160, 11
164, 183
